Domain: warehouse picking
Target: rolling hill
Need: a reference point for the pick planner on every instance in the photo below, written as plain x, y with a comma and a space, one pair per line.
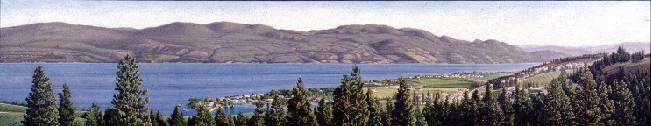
225, 42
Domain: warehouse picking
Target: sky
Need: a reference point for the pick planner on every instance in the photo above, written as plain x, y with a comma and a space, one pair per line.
519, 23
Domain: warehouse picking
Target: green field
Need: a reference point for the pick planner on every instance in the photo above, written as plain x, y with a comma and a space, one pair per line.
11, 115
431, 85
445, 83
543, 79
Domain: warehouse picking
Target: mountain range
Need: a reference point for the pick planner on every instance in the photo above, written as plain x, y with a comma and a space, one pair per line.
580, 50
226, 42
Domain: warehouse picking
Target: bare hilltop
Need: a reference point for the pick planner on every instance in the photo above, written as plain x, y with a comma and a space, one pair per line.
225, 42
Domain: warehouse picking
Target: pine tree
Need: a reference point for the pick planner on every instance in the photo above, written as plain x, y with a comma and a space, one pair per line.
298, 107
66, 112
352, 108
507, 107
160, 120
152, 119
420, 117
445, 111
358, 111
276, 115
624, 105
231, 121
490, 110
131, 98
176, 119
476, 106
538, 116
401, 114
466, 111
94, 116
191, 121
342, 106
221, 119
41, 104
241, 120
523, 107
588, 100
433, 111
386, 113
203, 118
258, 116
606, 104
324, 113
374, 113
557, 103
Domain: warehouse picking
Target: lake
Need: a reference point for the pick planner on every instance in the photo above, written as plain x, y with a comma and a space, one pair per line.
173, 83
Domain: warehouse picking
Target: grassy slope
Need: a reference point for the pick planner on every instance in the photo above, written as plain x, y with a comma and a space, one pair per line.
428, 85
445, 83
11, 115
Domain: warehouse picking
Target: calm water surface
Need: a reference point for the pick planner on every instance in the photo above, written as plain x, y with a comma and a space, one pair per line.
171, 84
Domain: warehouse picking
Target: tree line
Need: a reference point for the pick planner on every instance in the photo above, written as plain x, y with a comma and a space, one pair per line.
571, 99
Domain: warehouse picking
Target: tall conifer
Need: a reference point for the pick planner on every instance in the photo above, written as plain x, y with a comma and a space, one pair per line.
131, 98
403, 107
176, 119
41, 104
324, 113
298, 107
66, 112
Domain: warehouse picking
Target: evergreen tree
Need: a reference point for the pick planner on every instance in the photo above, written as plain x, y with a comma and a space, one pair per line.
276, 115
231, 121
110, 117
203, 118
298, 107
624, 105
258, 116
176, 119
557, 104
191, 121
420, 118
507, 107
401, 114
241, 120
490, 110
152, 119
160, 120
358, 111
221, 119
131, 98
352, 108
467, 111
94, 116
445, 111
523, 107
386, 113
324, 113
342, 106
606, 105
41, 104
538, 116
589, 112
66, 112
374, 113
476, 105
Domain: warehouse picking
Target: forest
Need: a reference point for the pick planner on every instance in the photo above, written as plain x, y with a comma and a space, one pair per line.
608, 92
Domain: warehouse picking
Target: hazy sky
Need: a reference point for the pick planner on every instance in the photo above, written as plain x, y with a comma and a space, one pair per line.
558, 23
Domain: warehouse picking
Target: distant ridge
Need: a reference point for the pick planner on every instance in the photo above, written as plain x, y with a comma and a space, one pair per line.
226, 42
576, 51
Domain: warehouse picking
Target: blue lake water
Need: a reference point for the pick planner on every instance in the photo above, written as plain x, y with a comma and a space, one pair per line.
171, 84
